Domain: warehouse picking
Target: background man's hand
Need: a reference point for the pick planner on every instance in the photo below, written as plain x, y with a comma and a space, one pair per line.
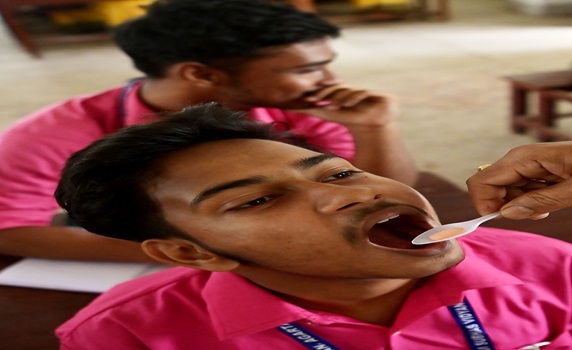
349, 106
370, 118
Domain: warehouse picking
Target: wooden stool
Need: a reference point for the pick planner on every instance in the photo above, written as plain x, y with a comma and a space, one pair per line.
9, 11
541, 121
548, 106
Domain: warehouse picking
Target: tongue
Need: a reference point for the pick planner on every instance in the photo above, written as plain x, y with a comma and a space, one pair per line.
391, 239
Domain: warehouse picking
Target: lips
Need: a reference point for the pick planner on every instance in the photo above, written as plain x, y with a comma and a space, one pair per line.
396, 227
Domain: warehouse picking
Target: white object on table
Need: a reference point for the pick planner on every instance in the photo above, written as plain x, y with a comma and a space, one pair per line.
76, 276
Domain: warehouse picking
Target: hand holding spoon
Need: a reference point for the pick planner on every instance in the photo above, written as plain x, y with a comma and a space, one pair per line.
450, 231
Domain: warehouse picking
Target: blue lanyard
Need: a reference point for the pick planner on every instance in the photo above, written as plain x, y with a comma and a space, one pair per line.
463, 314
123, 98
305, 338
472, 328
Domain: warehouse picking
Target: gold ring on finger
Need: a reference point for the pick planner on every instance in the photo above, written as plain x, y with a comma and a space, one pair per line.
483, 167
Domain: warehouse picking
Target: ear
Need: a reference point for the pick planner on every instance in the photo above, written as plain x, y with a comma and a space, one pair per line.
176, 251
199, 74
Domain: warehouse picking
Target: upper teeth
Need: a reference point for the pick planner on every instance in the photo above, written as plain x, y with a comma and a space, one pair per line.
382, 221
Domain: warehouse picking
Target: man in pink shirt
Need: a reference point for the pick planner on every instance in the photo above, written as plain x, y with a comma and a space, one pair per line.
284, 247
268, 59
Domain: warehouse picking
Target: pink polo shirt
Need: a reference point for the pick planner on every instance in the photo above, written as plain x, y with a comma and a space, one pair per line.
34, 149
519, 285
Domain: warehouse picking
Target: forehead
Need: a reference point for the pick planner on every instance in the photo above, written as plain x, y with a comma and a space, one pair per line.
218, 161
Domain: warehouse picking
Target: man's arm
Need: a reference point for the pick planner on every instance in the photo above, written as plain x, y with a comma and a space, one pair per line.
371, 120
380, 150
55, 242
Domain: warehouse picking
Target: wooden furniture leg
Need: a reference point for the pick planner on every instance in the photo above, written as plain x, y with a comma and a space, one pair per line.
541, 121
8, 14
548, 113
519, 108
9, 10
444, 10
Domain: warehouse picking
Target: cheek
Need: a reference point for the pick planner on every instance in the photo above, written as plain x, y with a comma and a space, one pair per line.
293, 83
279, 231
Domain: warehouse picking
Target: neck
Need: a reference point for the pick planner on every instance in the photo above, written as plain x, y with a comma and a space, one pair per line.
375, 301
169, 95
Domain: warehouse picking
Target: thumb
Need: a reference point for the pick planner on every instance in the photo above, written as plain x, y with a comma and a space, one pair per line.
538, 203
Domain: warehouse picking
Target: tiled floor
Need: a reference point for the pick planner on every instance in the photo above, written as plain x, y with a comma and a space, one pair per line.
447, 75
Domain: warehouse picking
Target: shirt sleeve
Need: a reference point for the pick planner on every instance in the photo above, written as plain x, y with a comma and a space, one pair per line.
97, 334
32, 154
327, 136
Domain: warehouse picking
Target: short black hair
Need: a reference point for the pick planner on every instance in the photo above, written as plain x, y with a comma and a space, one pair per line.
208, 31
104, 186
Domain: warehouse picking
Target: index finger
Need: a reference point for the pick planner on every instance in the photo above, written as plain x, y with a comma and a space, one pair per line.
326, 91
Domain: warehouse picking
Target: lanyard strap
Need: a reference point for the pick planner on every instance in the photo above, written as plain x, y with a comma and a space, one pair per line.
305, 338
463, 314
473, 330
123, 99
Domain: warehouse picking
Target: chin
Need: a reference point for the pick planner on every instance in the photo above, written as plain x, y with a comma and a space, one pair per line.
449, 261
438, 264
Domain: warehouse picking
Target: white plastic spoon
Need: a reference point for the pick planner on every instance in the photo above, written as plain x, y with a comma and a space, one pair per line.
450, 231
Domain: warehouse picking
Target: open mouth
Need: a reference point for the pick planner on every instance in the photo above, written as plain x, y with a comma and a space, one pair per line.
397, 230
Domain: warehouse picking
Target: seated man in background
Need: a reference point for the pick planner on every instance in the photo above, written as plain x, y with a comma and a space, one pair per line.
270, 60
284, 247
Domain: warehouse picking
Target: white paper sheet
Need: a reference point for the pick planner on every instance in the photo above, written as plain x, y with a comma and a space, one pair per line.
77, 276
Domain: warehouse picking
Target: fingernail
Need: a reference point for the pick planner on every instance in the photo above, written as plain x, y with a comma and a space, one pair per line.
517, 212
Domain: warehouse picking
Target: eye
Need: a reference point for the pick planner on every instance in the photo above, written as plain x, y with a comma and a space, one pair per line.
255, 202
309, 70
341, 175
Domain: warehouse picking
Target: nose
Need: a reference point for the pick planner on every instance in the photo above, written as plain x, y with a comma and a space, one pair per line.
329, 198
330, 78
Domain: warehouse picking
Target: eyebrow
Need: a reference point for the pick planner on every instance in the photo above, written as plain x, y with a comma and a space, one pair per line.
301, 164
319, 63
315, 64
307, 163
